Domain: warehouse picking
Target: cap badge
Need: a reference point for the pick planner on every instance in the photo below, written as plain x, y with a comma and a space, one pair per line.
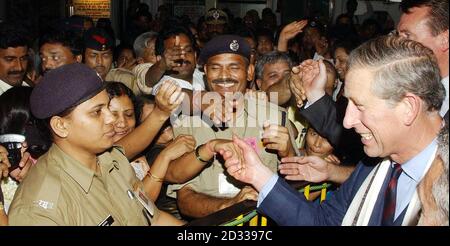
103, 47
216, 15
234, 46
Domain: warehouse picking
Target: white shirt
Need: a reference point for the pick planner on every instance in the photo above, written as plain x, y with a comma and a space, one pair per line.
197, 82
5, 86
444, 107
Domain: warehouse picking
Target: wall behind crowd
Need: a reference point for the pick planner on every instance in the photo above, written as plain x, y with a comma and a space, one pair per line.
392, 8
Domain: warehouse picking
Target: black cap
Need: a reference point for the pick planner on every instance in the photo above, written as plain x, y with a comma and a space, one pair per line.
225, 44
63, 88
98, 39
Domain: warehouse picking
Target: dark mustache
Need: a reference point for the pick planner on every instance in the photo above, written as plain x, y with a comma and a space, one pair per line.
218, 81
181, 62
16, 72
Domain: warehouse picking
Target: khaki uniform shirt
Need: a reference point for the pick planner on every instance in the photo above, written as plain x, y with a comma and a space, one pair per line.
61, 191
124, 76
214, 180
300, 123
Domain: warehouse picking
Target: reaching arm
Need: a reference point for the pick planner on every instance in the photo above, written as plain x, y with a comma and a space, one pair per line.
197, 205
188, 166
155, 73
289, 32
169, 97
166, 62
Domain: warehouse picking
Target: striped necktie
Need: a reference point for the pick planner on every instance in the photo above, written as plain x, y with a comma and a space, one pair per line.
390, 197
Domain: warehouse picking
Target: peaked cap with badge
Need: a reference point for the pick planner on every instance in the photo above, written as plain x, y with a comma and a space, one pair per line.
98, 39
216, 17
232, 44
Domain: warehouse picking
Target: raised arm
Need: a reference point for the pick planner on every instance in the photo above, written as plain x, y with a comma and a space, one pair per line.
169, 97
289, 32
166, 62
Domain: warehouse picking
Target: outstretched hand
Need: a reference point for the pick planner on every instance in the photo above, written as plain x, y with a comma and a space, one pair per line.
310, 168
289, 32
247, 166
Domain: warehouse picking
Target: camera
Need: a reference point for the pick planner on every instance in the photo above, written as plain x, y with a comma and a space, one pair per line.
13, 144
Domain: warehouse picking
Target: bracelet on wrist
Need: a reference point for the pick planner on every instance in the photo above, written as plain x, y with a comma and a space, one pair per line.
157, 179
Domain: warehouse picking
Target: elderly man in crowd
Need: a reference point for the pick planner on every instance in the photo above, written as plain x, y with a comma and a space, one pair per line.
394, 92
144, 47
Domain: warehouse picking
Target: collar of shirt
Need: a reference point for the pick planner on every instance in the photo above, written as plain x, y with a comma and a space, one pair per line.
415, 167
5, 86
77, 171
413, 171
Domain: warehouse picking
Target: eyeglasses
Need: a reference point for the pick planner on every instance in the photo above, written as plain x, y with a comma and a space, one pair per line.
55, 58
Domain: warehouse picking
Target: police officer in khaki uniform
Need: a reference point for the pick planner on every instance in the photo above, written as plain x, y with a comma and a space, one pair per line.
260, 123
83, 179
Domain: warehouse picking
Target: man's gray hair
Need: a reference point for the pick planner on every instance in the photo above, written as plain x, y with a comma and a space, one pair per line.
271, 58
141, 43
439, 189
400, 66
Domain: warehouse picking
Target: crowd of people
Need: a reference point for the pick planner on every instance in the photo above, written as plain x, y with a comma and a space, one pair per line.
182, 120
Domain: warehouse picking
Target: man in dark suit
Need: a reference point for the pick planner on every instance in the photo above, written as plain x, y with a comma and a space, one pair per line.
424, 21
394, 92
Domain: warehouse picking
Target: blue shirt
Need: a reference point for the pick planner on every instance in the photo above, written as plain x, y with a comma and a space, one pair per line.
413, 171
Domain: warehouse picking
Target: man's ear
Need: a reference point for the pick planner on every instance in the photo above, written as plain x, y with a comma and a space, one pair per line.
59, 126
205, 71
412, 105
258, 83
443, 41
250, 72
79, 58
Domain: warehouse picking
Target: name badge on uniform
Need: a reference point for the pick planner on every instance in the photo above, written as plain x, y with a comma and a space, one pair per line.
107, 222
146, 203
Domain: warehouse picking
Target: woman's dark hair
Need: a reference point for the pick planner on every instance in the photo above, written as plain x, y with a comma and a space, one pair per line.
117, 89
16, 118
66, 38
347, 45
140, 102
